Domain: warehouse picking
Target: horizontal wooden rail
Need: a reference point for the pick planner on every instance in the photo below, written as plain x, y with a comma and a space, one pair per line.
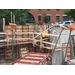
49, 43
46, 38
51, 34
5, 40
57, 50
47, 47
23, 32
15, 44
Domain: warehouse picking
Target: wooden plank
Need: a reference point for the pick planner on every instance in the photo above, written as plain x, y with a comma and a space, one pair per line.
19, 38
23, 32
30, 38
57, 50
3, 40
46, 38
5, 32
47, 47
7, 39
2, 32
16, 44
52, 48
49, 43
51, 34
41, 38
37, 40
33, 39
14, 39
37, 33
44, 31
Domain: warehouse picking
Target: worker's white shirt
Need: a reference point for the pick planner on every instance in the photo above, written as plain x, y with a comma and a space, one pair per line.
44, 27
50, 30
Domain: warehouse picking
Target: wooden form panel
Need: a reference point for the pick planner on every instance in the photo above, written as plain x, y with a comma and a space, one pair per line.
2, 54
23, 51
8, 52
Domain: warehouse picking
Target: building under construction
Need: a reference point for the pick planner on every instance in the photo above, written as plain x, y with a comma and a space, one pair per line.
26, 44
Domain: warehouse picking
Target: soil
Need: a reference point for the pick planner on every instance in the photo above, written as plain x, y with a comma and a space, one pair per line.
8, 62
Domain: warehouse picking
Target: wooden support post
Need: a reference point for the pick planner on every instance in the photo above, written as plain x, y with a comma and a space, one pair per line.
11, 16
40, 38
33, 40
7, 39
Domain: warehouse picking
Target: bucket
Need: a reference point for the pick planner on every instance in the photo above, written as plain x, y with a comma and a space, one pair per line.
71, 27
12, 26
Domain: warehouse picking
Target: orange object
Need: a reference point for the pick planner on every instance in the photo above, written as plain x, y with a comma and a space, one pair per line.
62, 28
12, 26
54, 63
71, 27
46, 32
47, 63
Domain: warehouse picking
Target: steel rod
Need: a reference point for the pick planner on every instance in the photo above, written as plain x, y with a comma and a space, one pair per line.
66, 49
72, 52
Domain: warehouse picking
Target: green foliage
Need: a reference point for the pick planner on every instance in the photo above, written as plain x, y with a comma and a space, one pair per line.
22, 22
47, 24
70, 13
6, 13
35, 23
45, 18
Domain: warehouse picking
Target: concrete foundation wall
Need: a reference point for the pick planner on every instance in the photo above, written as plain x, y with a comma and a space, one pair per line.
63, 39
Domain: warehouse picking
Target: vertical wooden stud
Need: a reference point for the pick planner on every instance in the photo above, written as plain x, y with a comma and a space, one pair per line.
33, 39
40, 38
11, 16
7, 38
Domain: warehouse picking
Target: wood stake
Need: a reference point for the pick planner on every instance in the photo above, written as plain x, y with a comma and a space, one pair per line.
11, 16
33, 39
41, 38
7, 38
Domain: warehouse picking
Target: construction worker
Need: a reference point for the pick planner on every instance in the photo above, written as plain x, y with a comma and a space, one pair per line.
50, 30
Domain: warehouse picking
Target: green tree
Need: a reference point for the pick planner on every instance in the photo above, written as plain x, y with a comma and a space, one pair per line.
70, 13
45, 18
22, 22
19, 13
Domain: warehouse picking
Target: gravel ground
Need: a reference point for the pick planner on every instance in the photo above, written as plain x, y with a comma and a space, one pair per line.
8, 62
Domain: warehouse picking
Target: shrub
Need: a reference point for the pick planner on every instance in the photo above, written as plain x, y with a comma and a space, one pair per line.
22, 22
45, 18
